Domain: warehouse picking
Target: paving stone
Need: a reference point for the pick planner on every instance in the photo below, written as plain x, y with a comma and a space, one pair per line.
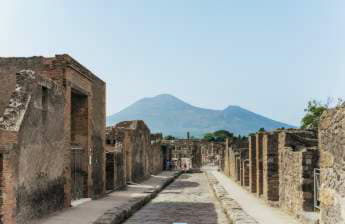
188, 200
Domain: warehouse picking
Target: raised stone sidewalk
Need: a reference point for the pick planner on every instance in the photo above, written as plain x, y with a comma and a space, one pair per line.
115, 207
232, 209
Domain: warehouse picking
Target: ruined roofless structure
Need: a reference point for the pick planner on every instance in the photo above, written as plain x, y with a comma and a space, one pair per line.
52, 128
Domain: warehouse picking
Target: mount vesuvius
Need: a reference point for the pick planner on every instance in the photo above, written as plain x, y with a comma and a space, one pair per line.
172, 116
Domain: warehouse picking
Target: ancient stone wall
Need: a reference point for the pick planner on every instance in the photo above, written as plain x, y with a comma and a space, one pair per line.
226, 159
298, 157
259, 164
244, 167
270, 166
137, 144
35, 116
75, 79
186, 150
235, 155
332, 147
296, 187
8, 83
156, 154
115, 160
232, 163
245, 173
83, 121
252, 164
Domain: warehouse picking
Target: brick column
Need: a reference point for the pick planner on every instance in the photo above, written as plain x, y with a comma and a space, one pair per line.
270, 167
252, 163
259, 164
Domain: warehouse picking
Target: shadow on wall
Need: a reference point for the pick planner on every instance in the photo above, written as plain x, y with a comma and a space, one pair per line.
177, 212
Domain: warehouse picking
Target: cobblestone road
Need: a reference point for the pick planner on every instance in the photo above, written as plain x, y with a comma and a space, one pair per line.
188, 200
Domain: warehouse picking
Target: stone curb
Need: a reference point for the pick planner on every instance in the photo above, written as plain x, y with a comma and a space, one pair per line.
232, 209
119, 214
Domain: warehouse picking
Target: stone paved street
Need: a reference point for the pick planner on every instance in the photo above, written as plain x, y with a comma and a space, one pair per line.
188, 200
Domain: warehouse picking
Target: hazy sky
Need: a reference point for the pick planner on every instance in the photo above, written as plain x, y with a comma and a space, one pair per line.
267, 56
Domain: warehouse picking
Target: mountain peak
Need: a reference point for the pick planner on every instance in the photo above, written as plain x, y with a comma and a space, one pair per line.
233, 107
165, 96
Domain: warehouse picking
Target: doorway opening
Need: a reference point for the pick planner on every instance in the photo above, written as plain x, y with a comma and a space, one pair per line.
110, 171
79, 145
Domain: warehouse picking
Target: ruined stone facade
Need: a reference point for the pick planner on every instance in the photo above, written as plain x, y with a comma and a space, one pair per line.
252, 164
298, 157
270, 166
211, 153
236, 163
332, 148
115, 171
52, 135
278, 167
137, 144
259, 164
185, 153
156, 155
138, 153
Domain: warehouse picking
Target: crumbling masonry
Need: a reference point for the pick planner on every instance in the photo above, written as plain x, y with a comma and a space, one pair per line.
52, 116
332, 146
278, 167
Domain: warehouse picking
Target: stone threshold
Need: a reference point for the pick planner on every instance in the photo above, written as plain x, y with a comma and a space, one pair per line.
120, 214
232, 209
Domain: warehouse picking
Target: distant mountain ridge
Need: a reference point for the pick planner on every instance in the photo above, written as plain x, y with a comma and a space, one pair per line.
171, 116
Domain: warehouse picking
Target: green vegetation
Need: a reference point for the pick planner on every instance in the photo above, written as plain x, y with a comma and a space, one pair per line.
221, 136
169, 137
314, 111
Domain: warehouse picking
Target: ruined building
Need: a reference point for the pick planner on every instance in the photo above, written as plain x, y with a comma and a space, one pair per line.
52, 128
133, 153
136, 143
156, 154
184, 153
211, 153
115, 160
281, 167
332, 147
236, 162
298, 159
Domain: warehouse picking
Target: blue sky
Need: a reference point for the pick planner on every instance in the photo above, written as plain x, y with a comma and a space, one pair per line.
267, 56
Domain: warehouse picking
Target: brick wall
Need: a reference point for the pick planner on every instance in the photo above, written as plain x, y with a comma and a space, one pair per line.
259, 164
252, 164
245, 173
137, 146
33, 189
270, 167
67, 74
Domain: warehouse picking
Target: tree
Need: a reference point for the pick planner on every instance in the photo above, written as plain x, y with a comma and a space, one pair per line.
209, 137
262, 130
218, 136
313, 111
169, 137
222, 135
